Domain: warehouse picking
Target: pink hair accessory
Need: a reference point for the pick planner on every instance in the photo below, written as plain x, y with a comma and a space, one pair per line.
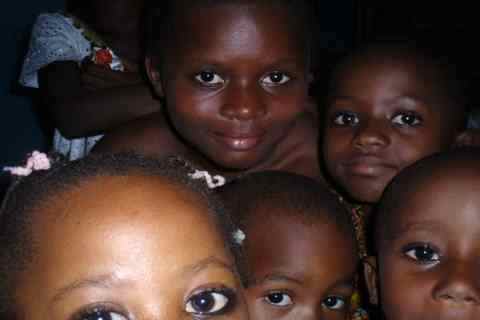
36, 161
212, 181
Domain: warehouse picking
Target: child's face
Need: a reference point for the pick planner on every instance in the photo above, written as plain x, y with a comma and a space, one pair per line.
381, 118
429, 262
236, 87
125, 248
299, 271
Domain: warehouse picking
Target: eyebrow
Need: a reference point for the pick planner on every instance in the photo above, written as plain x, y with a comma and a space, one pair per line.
109, 281
105, 281
427, 226
218, 63
277, 277
405, 97
206, 263
344, 282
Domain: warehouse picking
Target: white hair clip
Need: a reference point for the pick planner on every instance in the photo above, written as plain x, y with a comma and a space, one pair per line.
212, 181
239, 236
36, 161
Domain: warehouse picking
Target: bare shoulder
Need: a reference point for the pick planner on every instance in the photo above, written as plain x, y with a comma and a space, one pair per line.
149, 135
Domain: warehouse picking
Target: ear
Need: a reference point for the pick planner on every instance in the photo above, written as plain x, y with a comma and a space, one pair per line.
153, 75
469, 137
370, 274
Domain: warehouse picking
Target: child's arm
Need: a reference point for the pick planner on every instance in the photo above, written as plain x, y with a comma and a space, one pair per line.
80, 106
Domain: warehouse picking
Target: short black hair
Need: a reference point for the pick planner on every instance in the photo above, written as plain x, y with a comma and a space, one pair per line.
31, 193
161, 16
458, 163
301, 197
440, 69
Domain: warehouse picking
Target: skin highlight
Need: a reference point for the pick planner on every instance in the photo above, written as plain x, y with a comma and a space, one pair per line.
114, 246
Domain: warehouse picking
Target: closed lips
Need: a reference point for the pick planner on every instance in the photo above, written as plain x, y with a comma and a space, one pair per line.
368, 166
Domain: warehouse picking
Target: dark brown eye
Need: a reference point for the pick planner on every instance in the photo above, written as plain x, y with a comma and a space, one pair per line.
101, 314
345, 119
275, 78
279, 299
406, 119
209, 78
334, 302
422, 253
209, 302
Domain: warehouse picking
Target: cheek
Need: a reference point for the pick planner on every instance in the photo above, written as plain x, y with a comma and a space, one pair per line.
402, 291
334, 145
410, 151
259, 310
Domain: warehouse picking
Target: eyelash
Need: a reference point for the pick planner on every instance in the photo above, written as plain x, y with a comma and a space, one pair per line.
227, 294
411, 251
285, 79
341, 300
338, 119
90, 311
220, 81
269, 295
417, 119
216, 76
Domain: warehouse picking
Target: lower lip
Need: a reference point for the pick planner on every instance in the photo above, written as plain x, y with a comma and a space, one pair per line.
239, 144
368, 170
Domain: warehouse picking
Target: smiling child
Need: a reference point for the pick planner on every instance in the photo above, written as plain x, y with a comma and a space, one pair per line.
234, 77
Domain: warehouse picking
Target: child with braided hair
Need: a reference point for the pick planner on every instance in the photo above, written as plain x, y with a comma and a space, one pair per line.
116, 236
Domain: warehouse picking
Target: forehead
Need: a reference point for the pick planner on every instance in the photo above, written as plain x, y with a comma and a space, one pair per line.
383, 79
406, 72
236, 29
128, 235
447, 205
309, 250
130, 204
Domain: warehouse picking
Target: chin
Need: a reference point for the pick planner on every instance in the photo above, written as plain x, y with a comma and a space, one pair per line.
237, 164
361, 196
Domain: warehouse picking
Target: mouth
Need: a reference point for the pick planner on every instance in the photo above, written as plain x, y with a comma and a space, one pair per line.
239, 141
368, 167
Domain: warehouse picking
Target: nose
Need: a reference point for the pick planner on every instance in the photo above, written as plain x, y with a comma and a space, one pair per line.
459, 286
371, 136
243, 101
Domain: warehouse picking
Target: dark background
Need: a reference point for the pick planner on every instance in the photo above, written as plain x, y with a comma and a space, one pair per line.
344, 24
